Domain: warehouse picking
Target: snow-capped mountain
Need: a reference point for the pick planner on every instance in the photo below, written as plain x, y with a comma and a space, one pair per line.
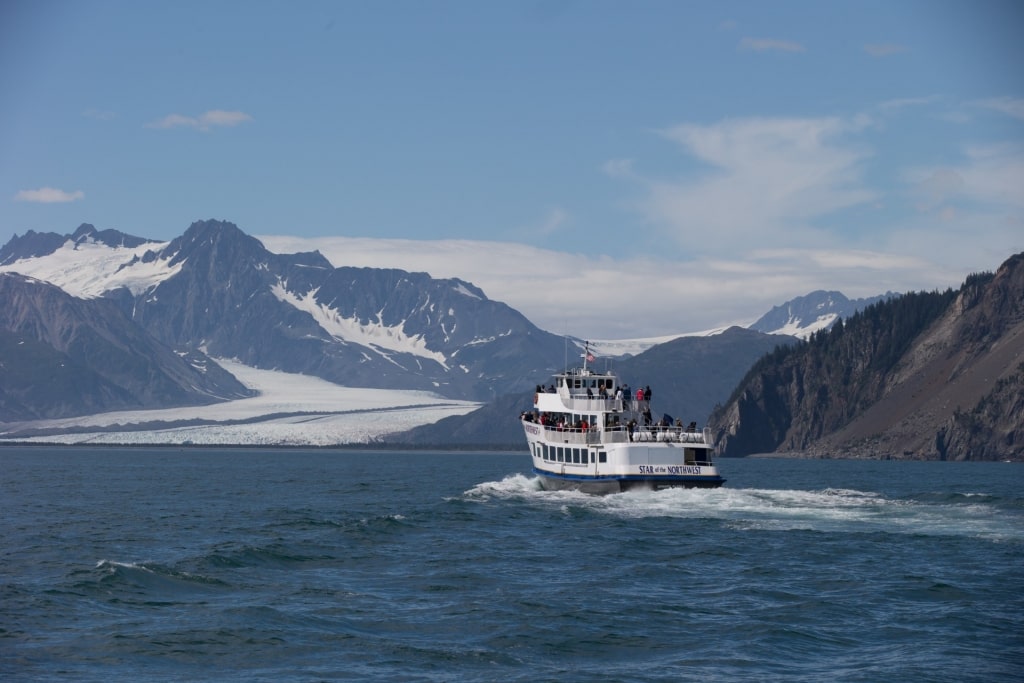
803, 316
155, 313
217, 290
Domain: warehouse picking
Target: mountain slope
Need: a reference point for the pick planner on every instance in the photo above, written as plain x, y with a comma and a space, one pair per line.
924, 376
66, 356
368, 327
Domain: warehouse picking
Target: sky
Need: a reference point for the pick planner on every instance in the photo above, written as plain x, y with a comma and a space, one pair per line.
610, 169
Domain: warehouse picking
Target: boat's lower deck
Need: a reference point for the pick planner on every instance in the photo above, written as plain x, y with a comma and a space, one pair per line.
611, 484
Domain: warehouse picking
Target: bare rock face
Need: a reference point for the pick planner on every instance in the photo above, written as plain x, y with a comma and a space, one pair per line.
66, 356
928, 376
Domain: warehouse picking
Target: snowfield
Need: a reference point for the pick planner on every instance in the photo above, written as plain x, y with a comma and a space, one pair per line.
290, 410
89, 269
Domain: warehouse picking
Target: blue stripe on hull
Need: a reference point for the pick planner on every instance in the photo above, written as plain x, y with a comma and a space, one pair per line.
615, 484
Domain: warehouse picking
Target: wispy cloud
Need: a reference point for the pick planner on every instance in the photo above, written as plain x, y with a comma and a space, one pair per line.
204, 122
904, 102
990, 175
1011, 106
555, 219
618, 168
734, 289
770, 45
884, 49
48, 195
762, 178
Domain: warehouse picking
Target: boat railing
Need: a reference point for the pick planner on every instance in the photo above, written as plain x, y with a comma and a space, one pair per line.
596, 404
571, 435
671, 434
621, 434
654, 433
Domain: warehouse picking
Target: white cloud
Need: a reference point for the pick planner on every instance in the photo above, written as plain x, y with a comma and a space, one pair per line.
555, 219
990, 175
48, 195
618, 168
619, 298
763, 178
1010, 106
904, 102
764, 210
884, 49
203, 122
770, 45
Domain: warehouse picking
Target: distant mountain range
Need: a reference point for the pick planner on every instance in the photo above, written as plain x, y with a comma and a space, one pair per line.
131, 322
216, 291
803, 316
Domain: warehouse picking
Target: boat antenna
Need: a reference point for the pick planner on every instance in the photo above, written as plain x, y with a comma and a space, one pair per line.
586, 354
565, 353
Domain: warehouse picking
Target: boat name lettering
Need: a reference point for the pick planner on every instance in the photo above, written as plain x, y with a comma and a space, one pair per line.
533, 429
669, 469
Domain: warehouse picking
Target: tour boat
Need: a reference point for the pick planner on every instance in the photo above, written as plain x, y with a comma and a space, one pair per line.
586, 434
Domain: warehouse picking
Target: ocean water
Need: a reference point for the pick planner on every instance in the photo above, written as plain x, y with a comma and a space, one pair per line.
303, 565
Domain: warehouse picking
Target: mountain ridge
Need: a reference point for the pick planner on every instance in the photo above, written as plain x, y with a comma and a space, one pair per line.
926, 375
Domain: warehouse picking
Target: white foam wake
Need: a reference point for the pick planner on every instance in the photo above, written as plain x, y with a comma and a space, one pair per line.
828, 510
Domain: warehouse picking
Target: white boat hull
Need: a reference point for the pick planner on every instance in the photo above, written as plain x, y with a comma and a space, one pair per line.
614, 467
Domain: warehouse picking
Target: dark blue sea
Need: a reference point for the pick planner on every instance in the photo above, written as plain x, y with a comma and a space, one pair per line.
304, 565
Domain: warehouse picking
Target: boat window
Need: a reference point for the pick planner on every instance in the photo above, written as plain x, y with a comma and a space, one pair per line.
560, 454
576, 456
592, 456
602, 456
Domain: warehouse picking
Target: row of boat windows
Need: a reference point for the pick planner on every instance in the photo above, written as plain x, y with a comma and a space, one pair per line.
596, 383
576, 456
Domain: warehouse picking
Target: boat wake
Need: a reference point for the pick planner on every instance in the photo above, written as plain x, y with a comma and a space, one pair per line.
827, 510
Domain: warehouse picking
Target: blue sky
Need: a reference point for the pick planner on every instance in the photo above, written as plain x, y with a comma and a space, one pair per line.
608, 168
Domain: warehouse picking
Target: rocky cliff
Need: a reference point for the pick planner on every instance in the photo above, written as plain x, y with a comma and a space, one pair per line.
63, 356
926, 375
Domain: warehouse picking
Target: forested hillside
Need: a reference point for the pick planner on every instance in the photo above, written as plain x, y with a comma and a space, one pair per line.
923, 375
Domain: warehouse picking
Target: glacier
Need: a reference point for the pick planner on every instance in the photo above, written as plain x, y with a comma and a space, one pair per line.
289, 410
